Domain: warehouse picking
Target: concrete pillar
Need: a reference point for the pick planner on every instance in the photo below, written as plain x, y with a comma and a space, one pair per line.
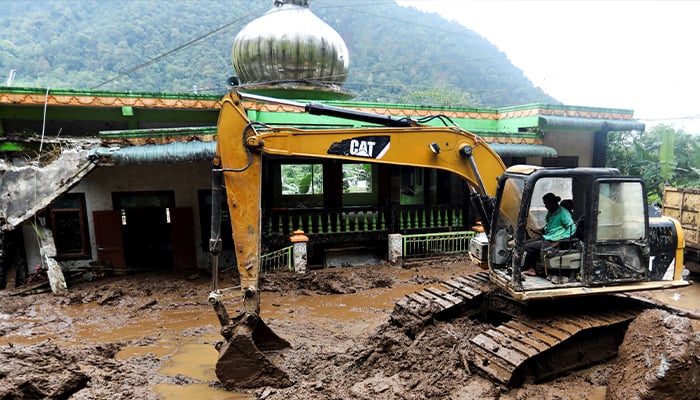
299, 241
47, 249
395, 248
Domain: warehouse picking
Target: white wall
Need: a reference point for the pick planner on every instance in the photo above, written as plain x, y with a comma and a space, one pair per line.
572, 143
185, 179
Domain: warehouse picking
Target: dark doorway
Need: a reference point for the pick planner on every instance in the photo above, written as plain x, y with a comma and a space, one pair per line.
146, 228
147, 238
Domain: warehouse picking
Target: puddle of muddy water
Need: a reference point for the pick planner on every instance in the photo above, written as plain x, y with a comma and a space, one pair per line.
195, 360
687, 298
196, 357
199, 391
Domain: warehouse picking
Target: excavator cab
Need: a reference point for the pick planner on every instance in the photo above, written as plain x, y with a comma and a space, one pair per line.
610, 248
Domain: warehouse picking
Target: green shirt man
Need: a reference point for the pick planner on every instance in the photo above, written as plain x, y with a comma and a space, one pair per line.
559, 225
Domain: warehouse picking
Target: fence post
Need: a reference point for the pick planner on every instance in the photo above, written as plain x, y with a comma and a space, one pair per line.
395, 248
299, 250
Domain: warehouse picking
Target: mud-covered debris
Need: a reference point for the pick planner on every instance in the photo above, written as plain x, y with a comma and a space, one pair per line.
48, 371
659, 359
354, 353
329, 281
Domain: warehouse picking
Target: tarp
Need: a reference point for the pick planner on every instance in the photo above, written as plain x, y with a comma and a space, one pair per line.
175, 152
523, 150
199, 151
591, 124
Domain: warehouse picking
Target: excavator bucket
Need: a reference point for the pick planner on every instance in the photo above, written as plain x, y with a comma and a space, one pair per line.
243, 357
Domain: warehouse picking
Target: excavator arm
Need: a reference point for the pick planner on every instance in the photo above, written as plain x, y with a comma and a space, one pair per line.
240, 146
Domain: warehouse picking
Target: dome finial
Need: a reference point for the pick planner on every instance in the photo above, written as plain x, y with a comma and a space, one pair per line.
292, 50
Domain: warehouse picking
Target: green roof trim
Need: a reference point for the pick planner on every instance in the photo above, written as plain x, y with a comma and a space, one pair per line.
514, 135
562, 107
341, 103
496, 110
84, 92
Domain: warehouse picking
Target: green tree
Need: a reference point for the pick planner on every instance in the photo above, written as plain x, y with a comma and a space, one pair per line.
396, 53
661, 156
441, 97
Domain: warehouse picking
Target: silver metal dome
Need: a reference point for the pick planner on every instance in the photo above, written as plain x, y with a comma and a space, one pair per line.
290, 43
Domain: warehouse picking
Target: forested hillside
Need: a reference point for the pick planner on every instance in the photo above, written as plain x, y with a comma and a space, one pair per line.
397, 54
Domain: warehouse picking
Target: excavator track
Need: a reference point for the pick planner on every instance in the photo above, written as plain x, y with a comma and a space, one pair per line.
534, 349
454, 295
527, 343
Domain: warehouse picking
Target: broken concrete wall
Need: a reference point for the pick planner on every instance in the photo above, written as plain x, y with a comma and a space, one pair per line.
27, 190
40, 250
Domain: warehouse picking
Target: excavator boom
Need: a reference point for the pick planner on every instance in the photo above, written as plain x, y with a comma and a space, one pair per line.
240, 146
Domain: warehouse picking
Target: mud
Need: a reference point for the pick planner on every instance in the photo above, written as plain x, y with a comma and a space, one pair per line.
659, 359
152, 336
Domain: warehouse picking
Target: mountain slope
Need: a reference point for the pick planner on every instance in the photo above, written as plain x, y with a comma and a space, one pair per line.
397, 54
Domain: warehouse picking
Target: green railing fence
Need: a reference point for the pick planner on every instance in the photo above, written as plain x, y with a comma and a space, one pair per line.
276, 260
424, 245
319, 221
423, 217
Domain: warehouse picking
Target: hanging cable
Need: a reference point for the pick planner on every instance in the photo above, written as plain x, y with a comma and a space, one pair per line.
43, 125
173, 51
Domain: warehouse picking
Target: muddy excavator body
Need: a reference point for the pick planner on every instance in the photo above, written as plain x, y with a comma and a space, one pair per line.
616, 250
614, 247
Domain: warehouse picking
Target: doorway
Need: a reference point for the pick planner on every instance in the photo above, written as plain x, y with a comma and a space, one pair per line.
146, 228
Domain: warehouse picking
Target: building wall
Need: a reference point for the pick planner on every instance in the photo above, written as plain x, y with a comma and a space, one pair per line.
572, 143
185, 179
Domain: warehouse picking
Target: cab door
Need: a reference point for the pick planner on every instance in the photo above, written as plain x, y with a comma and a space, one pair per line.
619, 249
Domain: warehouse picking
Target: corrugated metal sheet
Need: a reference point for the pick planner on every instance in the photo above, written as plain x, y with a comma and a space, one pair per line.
523, 150
598, 125
175, 152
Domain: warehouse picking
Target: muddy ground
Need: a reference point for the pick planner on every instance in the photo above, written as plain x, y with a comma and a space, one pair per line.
152, 336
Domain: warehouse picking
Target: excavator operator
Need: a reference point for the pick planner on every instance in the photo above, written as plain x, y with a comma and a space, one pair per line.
559, 225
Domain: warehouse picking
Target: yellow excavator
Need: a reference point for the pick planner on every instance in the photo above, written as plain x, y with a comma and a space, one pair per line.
616, 249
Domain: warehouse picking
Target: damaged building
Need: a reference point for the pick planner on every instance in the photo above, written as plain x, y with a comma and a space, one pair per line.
114, 182
122, 181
